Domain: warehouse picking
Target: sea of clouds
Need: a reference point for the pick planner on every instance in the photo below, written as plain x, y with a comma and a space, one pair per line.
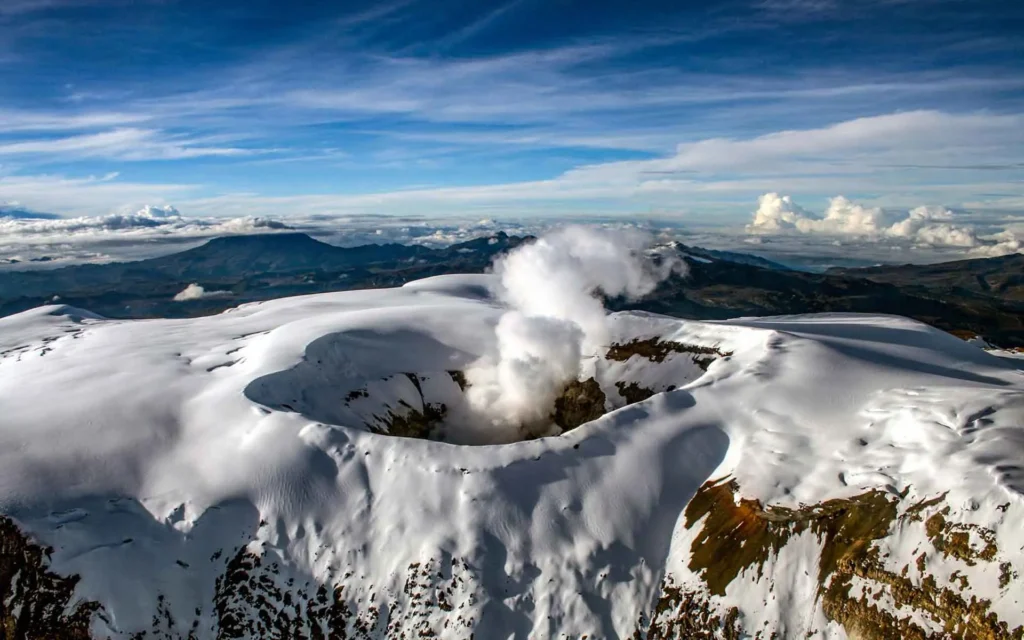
32, 240
846, 232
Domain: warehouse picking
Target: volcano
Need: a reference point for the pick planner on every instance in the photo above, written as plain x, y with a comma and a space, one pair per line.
302, 468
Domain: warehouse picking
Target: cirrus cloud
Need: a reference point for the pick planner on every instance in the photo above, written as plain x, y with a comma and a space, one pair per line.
126, 143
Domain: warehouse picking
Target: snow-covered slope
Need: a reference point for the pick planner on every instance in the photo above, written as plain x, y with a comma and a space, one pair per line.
239, 476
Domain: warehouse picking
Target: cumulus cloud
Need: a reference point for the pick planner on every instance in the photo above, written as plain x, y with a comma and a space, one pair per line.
777, 213
197, 292
946, 235
1002, 244
555, 318
844, 217
925, 226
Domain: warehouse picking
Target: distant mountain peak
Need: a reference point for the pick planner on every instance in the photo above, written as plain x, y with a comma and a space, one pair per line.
290, 238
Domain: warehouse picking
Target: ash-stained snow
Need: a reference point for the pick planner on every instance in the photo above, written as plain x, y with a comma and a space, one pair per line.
148, 452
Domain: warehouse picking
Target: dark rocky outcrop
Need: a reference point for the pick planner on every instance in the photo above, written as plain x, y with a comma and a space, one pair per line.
580, 402
36, 603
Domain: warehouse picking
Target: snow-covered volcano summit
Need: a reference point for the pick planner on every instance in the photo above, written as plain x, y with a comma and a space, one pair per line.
240, 476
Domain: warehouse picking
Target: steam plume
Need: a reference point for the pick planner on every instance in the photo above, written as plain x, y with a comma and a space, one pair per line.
556, 318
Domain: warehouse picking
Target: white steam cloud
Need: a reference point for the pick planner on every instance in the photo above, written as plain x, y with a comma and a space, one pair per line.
197, 292
556, 318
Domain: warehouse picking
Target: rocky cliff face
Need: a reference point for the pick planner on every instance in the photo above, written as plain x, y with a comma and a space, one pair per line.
860, 586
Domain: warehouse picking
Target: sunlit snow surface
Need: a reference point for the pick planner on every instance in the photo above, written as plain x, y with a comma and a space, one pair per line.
138, 449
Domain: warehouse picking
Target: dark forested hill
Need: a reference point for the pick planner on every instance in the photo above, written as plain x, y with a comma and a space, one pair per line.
721, 289
1001, 277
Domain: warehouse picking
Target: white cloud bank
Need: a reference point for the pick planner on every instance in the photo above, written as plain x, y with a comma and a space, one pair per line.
47, 240
148, 222
36, 240
924, 226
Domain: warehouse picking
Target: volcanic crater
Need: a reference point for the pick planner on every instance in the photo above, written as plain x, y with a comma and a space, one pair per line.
327, 387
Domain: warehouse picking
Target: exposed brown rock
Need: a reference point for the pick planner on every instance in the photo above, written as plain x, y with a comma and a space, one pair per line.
36, 603
656, 350
688, 615
581, 402
953, 539
739, 534
412, 423
633, 392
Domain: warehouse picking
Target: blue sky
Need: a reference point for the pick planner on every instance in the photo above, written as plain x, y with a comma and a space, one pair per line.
683, 110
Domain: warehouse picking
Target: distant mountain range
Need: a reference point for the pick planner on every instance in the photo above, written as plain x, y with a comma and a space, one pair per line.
974, 297
984, 296
251, 267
